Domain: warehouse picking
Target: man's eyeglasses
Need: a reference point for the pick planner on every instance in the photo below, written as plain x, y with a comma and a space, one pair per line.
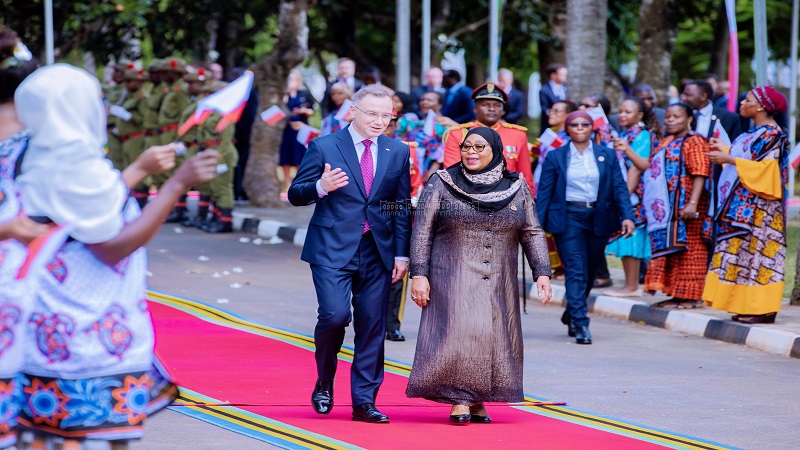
466, 148
580, 125
373, 115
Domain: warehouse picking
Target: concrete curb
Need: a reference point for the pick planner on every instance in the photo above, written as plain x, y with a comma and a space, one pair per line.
267, 228
774, 341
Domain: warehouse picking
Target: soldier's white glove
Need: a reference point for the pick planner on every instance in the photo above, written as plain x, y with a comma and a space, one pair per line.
119, 111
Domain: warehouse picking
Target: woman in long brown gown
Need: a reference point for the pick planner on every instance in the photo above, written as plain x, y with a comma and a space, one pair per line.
468, 226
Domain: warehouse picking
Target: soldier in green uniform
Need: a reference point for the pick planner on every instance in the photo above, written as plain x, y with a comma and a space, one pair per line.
176, 100
152, 130
196, 81
221, 187
128, 121
115, 94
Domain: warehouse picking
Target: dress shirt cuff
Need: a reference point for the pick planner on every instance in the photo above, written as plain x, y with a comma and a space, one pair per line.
321, 192
402, 258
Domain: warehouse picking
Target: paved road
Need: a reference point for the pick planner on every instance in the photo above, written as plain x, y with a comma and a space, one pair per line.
699, 387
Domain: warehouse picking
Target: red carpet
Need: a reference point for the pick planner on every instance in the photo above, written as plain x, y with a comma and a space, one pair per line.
231, 360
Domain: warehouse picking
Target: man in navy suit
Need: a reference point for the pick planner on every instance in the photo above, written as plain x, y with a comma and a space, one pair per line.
553, 90
433, 82
346, 72
698, 95
357, 244
515, 108
458, 104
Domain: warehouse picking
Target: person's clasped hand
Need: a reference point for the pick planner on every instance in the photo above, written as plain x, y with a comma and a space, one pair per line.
719, 153
26, 230
689, 211
628, 228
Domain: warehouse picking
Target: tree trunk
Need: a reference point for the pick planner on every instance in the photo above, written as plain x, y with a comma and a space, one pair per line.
553, 51
658, 28
586, 46
261, 175
719, 47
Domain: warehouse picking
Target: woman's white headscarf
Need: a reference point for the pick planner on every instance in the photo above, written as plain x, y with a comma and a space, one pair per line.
65, 174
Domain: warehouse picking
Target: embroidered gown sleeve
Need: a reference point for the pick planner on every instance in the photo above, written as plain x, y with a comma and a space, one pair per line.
422, 233
533, 239
763, 177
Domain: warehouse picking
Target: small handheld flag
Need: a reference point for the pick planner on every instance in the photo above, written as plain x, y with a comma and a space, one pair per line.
794, 156
273, 115
598, 117
721, 134
229, 102
549, 140
344, 110
306, 134
430, 124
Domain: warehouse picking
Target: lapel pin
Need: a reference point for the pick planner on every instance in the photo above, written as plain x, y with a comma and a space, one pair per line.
387, 149
513, 207
601, 159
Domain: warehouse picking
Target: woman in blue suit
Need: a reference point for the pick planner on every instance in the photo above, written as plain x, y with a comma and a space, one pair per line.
582, 201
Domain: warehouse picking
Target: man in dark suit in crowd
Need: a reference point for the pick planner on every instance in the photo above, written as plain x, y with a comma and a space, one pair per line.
433, 82
515, 108
346, 71
553, 90
458, 104
698, 95
358, 244
648, 95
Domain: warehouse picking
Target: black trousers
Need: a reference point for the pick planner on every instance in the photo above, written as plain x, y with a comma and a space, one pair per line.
364, 282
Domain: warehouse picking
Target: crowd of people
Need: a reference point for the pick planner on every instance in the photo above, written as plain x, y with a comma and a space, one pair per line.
683, 196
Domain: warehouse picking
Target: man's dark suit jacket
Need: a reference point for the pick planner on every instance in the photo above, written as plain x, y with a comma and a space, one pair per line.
461, 107
335, 229
730, 122
613, 201
327, 104
416, 95
546, 99
515, 108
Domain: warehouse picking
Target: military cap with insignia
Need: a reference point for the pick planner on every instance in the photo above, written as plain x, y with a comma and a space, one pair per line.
198, 75
491, 91
175, 65
134, 75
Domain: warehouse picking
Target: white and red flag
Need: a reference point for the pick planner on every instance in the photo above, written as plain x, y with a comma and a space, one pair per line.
598, 117
550, 140
794, 156
344, 111
306, 134
721, 134
430, 124
229, 102
273, 115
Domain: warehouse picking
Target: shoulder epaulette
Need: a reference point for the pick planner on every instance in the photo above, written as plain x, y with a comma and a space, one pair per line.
462, 126
513, 126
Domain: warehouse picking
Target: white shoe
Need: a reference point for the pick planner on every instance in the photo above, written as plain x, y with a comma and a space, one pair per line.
636, 293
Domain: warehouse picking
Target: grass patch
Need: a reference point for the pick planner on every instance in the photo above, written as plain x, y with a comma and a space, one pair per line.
792, 237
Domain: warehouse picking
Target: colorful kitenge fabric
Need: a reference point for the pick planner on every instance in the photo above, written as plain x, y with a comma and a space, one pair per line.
638, 245
543, 151
16, 296
603, 135
87, 359
430, 147
679, 253
746, 274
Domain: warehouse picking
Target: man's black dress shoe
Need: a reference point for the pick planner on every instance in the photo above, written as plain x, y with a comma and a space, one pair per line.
582, 335
367, 412
395, 335
177, 215
322, 397
571, 329
460, 418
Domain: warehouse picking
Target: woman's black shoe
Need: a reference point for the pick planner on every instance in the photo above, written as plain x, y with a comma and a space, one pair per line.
460, 418
479, 419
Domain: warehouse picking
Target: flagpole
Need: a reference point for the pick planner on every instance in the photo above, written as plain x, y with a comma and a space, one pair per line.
426, 38
494, 27
403, 82
48, 32
793, 89
760, 27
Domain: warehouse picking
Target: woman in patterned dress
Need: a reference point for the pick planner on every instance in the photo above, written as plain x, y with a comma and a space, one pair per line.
676, 204
745, 276
90, 372
633, 148
469, 224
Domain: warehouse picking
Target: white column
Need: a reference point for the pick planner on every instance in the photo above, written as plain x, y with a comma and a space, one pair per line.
426, 37
762, 51
403, 46
48, 32
494, 39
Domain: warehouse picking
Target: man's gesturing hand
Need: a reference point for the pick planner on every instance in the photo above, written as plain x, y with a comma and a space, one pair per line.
332, 180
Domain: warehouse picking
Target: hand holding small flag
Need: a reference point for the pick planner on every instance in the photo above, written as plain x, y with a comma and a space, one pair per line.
273, 115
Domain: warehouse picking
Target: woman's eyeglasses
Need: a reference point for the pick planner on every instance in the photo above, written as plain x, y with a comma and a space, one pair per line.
466, 148
580, 125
